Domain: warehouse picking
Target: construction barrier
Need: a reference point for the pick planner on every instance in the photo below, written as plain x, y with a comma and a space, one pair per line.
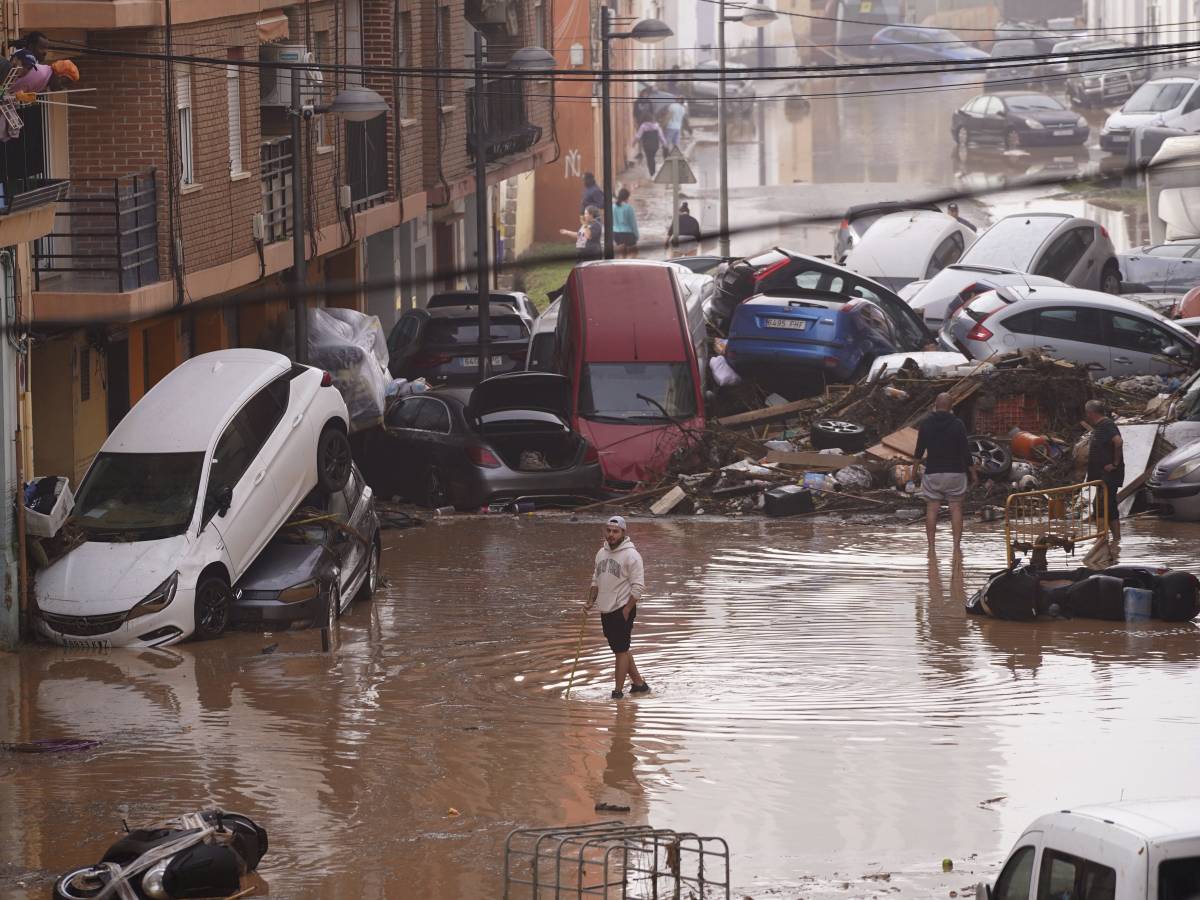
1061, 517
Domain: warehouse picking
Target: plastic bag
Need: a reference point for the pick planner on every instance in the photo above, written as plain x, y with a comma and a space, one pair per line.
351, 347
853, 476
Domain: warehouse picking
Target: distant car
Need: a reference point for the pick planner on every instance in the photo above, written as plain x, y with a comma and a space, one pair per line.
782, 270
799, 341
1024, 70
903, 247
701, 265
509, 438
1104, 79
441, 344
1042, 37
701, 93
1170, 101
1017, 119
1073, 250
516, 299
1107, 335
311, 571
904, 43
542, 356
957, 284
184, 494
860, 218
1175, 482
1167, 268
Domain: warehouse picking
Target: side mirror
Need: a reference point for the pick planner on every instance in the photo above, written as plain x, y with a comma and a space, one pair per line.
1173, 351
224, 500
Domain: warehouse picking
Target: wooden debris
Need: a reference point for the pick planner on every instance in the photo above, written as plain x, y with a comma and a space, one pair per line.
668, 501
770, 413
810, 459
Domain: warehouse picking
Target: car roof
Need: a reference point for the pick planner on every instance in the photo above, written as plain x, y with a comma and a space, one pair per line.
1080, 295
883, 207
1150, 819
898, 244
464, 312
630, 311
183, 412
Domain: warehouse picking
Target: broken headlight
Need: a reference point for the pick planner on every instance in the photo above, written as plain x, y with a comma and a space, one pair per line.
158, 599
298, 593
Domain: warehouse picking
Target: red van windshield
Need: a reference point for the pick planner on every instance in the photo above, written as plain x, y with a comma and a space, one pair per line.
610, 392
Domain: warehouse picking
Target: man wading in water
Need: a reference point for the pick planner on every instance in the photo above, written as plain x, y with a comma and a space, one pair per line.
618, 583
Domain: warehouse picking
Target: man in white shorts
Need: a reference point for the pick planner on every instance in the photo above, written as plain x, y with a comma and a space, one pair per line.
942, 441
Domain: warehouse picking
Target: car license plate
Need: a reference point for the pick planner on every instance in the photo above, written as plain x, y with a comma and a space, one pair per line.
1064, 132
1119, 138
794, 324
86, 643
472, 362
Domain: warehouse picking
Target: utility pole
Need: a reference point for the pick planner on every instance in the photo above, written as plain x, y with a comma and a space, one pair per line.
606, 130
722, 137
482, 234
299, 275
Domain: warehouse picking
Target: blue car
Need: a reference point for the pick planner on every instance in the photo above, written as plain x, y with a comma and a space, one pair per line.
796, 342
908, 44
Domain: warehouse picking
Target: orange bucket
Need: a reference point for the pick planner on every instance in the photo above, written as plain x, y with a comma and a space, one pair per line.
1027, 445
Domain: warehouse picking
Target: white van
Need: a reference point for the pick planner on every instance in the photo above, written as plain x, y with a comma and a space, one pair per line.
1172, 101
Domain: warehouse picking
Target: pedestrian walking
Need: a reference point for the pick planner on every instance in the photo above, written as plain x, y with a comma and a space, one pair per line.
618, 583
651, 137
589, 236
676, 113
942, 442
624, 225
688, 241
952, 212
592, 194
1106, 461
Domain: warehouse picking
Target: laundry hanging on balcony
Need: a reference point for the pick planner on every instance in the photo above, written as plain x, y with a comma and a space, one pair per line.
25, 83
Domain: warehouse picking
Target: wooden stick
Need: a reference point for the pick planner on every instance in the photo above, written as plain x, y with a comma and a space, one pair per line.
640, 495
578, 650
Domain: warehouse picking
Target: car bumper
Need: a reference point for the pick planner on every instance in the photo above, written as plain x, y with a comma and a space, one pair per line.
758, 356
1051, 137
168, 626
1114, 142
504, 485
258, 612
1183, 499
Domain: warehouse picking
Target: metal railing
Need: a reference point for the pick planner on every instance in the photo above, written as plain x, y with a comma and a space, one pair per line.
105, 236
275, 157
21, 193
366, 163
1062, 517
506, 127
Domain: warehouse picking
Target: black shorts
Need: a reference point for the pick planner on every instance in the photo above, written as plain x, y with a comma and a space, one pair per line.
617, 629
625, 239
1113, 480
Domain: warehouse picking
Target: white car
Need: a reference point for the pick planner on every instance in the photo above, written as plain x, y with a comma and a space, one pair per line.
903, 247
940, 297
1168, 102
185, 492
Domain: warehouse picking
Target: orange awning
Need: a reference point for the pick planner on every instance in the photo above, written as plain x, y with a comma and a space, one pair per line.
272, 27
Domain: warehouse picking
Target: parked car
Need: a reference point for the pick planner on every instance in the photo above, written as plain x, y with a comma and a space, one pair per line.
633, 341
1175, 482
541, 355
1170, 101
1190, 324
311, 571
701, 93
507, 439
1170, 267
1017, 119
903, 43
516, 299
1022, 71
860, 218
701, 265
948, 290
1042, 36
797, 342
1070, 249
1107, 335
781, 270
903, 247
184, 494
441, 344
1132, 850
1103, 80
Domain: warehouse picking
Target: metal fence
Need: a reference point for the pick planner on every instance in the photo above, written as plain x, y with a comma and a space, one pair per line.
1062, 517
275, 156
105, 236
504, 123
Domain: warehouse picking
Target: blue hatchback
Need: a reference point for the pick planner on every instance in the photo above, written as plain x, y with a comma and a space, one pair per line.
807, 339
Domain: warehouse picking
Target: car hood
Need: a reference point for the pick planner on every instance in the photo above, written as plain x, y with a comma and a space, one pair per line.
1129, 120
1049, 117
98, 577
967, 53
544, 391
281, 565
635, 452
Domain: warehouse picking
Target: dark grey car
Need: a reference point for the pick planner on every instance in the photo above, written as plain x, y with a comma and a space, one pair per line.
326, 557
1168, 268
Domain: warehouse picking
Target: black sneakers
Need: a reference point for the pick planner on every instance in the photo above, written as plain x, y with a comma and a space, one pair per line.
642, 688
617, 695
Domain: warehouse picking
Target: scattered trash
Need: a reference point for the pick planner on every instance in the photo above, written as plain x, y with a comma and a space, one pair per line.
853, 476
48, 502
722, 372
947, 865
448, 511
611, 807
270, 648
788, 500
453, 812
51, 745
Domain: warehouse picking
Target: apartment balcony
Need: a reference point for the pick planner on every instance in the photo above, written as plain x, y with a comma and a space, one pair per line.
503, 121
27, 207
366, 163
275, 157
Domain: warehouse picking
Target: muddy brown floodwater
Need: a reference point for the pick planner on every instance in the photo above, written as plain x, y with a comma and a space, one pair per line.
820, 700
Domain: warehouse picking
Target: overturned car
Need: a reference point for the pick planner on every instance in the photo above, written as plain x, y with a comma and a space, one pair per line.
1116, 594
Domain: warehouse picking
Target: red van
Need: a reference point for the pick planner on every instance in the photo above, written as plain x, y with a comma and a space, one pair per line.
631, 337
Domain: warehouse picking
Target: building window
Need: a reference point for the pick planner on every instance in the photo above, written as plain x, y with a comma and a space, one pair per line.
404, 59
354, 42
233, 89
539, 25
183, 121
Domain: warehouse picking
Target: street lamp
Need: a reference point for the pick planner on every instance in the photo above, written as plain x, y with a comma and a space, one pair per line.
647, 31
527, 59
754, 15
354, 104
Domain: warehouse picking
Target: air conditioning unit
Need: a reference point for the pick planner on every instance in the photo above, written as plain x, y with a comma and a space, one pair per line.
275, 85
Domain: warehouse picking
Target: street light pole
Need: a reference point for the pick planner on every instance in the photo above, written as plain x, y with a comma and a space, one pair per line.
481, 229
299, 274
722, 137
606, 130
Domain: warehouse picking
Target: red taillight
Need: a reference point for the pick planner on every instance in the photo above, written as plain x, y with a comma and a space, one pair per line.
482, 457
591, 454
326, 380
845, 223
770, 270
1104, 232
428, 360
979, 333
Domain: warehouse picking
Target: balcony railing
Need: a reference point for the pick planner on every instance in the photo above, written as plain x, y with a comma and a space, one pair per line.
276, 159
105, 237
20, 194
506, 128
366, 162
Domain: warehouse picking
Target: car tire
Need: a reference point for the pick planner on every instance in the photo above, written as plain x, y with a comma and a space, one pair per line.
961, 137
212, 607
334, 459
1012, 139
433, 490
991, 458
1110, 278
371, 580
836, 434
66, 887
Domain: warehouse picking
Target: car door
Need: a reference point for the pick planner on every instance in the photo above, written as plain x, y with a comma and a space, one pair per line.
993, 123
405, 340
1015, 881
1073, 333
398, 456
351, 552
1160, 268
1140, 346
1066, 258
289, 442
239, 474
1189, 115
1065, 875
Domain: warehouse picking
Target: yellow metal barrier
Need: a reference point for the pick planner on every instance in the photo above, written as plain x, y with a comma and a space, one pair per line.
1055, 517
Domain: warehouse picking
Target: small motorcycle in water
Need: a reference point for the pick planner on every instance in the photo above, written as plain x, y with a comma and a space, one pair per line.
200, 854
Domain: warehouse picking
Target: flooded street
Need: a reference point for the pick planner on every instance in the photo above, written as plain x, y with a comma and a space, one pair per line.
820, 700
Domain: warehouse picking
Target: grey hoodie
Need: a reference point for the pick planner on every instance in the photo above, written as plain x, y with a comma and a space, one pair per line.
618, 576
